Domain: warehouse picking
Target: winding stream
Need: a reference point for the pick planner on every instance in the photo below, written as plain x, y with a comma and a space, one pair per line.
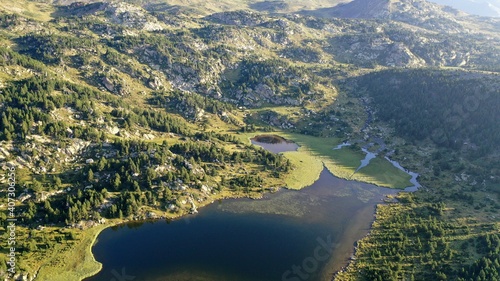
414, 176
382, 146
369, 156
342, 145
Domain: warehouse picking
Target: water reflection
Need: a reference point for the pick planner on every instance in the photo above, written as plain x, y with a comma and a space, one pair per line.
273, 143
248, 240
244, 239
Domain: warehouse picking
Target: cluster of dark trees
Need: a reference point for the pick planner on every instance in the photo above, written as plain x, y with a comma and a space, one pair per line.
487, 267
280, 76
50, 48
10, 57
81, 206
7, 20
452, 109
30, 101
129, 170
417, 245
156, 120
188, 103
73, 207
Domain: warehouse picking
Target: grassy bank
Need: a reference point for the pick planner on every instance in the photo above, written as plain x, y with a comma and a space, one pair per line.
57, 254
306, 170
76, 262
314, 152
382, 173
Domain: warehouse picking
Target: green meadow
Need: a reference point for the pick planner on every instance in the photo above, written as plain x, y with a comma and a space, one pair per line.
74, 260
316, 152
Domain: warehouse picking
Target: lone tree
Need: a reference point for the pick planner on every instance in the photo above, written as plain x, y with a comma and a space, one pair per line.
90, 175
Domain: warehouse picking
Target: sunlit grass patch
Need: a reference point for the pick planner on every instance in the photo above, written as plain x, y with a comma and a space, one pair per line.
306, 171
37, 11
75, 263
381, 172
341, 162
314, 152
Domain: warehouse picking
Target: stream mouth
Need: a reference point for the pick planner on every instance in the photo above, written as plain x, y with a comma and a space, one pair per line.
371, 155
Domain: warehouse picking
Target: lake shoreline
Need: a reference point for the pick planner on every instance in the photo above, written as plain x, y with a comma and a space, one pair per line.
339, 267
333, 266
173, 217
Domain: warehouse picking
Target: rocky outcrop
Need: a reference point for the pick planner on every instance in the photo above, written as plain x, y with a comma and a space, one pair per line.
122, 13
155, 83
238, 18
108, 84
263, 94
132, 16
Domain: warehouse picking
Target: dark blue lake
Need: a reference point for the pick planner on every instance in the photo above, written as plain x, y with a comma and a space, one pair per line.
289, 235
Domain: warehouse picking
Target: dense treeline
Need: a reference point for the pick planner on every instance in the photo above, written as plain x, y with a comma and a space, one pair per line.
451, 108
147, 174
414, 241
9, 57
51, 48
28, 104
188, 104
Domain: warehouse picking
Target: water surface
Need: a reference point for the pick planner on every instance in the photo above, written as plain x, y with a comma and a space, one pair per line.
414, 176
276, 145
313, 229
368, 157
244, 239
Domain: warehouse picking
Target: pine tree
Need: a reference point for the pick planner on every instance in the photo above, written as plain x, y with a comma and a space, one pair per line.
90, 176
116, 181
